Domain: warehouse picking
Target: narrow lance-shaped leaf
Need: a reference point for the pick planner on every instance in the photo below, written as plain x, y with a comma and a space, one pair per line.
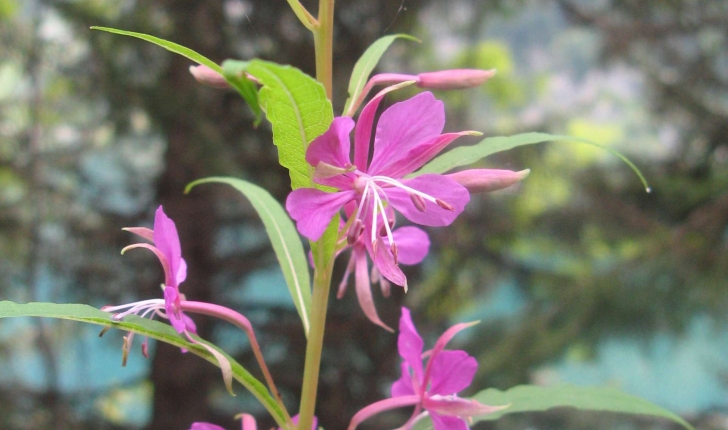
465, 155
240, 83
145, 327
297, 107
283, 237
366, 63
531, 398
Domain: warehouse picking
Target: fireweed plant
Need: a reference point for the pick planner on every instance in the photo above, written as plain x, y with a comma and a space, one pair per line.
345, 201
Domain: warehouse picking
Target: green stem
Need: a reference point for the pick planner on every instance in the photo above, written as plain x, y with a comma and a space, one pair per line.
306, 18
314, 347
323, 36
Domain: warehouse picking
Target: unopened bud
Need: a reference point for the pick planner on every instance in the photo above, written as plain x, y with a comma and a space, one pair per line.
455, 79
418, 201
209, 77
485, 180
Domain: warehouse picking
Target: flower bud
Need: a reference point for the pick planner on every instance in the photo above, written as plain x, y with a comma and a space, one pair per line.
486, 180
209, 77
455, 79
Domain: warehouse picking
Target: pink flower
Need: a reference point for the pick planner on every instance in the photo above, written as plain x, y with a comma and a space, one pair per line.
408, 134
431, 388
165, 245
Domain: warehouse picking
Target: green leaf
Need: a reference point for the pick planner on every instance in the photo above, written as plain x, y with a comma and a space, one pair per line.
239, 82
145, 327
465, 155
283, 237
170, 46
233, 72
368, 61
297, 107
531, 398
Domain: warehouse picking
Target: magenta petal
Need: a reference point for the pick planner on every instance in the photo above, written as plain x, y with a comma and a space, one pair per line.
413, 244
190, 325
313, 209
417, 156
364, 291
437, 186
363, 133
410, 343
440, 422
404, 126
403, 385
181, 271
205, 426
384, 261
171, 307
452, 371
166, 240
332, 147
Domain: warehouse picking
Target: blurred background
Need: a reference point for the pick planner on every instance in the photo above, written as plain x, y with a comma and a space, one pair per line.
578, 274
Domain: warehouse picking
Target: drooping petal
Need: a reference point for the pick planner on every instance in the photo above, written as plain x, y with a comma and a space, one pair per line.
403, 126
452, 371
364, 291
412, 242
313, 209
166, 240
440, 422
410, 344
437, 186
403, 385
420, 154
332, 147
384, 261
381, 406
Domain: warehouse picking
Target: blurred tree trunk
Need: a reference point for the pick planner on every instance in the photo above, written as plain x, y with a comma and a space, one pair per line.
181, 115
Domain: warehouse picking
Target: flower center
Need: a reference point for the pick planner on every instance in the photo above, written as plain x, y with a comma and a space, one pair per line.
371, 192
